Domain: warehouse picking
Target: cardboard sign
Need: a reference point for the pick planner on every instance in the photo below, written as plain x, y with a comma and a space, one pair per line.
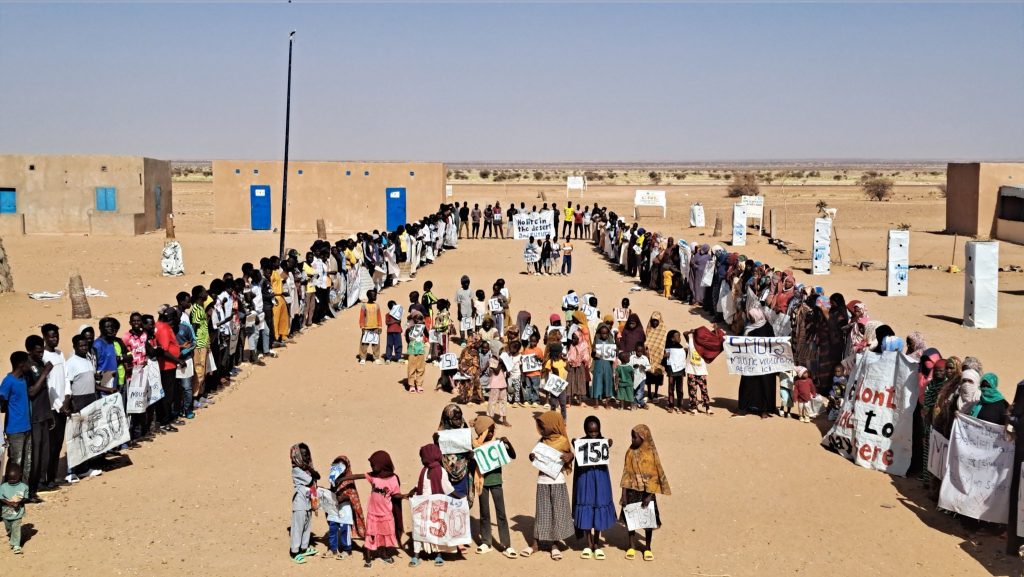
466, 323
758, 355
590, 312
977, 479
547, 460
416, 332
449, 362
440, 520
455, 441
555, 384
605, 351
527, 332
491, 456
494, 305
530, 363
591, 452
138, 392
370, 337
396, 311
938, 452
537, 225
640, 517
96, 429
507, 361
435, 336
676, 359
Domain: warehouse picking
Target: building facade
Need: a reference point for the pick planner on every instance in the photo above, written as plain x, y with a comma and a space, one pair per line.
111, 195
977, 203
349, 196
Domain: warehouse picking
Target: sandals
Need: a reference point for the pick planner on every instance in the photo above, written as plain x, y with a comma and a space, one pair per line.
299, 559
556, 554
483, 549
526, 552
648, 555
309, 552
587, 554
599, 554
631, 554
510, 553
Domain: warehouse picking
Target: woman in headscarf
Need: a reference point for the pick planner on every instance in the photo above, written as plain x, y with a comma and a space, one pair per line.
856, 328
821, 365
919, 454
803, 325
970, 391
696, 275
579, 320
928, 400
757, 392
643, 478
838, 318
459, 466
916, 345
578, 363
523, 319
553, 515
945, 402
992, 406
881, 334
632, 334
304, 502
655, 343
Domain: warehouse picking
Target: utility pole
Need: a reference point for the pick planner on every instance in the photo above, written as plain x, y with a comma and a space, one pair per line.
287, 127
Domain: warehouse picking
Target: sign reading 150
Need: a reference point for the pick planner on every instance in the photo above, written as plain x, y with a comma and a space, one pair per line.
591, 452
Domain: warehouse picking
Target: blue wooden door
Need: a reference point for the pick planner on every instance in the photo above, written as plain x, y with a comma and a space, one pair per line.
8, 201
259, 207
106, 199
158, 194
395, 207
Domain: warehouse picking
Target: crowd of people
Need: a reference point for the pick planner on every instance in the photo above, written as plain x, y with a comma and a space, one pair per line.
557, 518
575, 221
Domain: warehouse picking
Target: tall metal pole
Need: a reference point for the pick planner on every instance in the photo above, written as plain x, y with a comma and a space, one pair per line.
287, 126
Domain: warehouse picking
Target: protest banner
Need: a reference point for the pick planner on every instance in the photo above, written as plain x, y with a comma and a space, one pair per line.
396, 312
758, 355
640, 517
138, 393
591, 452
449, 362
875, 426
440, 520
371, 337
96, 429
938, 452
555, 385
537, 225
491, 456
466, 323
605, 351
494, 305
977, 479
547, 460
455, 441
531, 363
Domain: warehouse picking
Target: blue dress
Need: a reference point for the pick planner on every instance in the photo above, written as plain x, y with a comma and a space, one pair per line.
602, 385
592, 504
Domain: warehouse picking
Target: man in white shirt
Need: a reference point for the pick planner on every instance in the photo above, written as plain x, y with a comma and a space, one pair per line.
56, 385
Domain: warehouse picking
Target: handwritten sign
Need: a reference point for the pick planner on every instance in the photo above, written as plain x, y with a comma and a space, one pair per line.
555, 384
455, 441
416, 332
466, 323
371, 337
676, 359
547, 460
138, 392
491, 456
449, 362
605, 351
977, 479
591, 452
494, 305
758, 355
589, 312
96, 429
435, 336
938, 452
440, 520
537, 225
527, 332
640, 517
396, 312
531, 363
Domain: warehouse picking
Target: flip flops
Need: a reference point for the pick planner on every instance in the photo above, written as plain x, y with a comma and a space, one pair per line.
587, 554
483, 549
299, 559
556, 554
526, 552
309, 552
631, 554
648, 555
599, 554
510, 553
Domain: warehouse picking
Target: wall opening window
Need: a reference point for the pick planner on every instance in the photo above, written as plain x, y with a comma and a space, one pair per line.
106, 199
8, 201
1011, 203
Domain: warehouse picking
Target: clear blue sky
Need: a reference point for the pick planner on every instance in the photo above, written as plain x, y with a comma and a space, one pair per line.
506, 82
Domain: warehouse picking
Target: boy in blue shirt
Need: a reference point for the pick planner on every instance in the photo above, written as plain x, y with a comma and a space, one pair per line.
17, 425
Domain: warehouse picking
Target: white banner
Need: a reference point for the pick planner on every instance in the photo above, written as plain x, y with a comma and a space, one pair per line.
649, 198
755, 207
758, 355
555, 384
875, 426
938, 452
575, 183
537, 225
591, 452
898, 264
491, 456
821, 257
739, 225
440, 520
138, 392
547, 460
977, 480
455, 441
696, 216
96, 429
640, 517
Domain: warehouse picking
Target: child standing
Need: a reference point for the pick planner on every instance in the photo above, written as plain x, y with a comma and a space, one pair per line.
432, 481
621, 314
479, 308
497, 394
786, 379
369, 322
339, 514
666, 281
696, 377
531, 379
382, 523
643, 478
805, 391
442, 327
393, 349
555, 365
624, 382
838, 392
593, 508
416, 336
514, 375
641, 364
13, 494
304, 498
675, 368
552, 518
492, 489
602, 386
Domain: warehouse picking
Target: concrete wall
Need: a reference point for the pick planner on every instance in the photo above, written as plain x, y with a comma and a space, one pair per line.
346, 203
57, 194
972, 195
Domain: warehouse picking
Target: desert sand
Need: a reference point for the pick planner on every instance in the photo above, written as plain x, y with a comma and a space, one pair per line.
750, 497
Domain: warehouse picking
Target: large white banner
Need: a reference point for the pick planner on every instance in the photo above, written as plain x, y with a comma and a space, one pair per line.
649, 198
876, 424
537, 225
96, 429
575, 183
440, 520
822, 246
696, 216
898, 264
977, 480
739, 225
758, 355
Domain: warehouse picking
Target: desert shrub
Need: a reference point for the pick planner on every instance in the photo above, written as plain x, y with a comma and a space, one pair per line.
877, 188
655, 176
743, 184
837, 177
538, 175
485, 174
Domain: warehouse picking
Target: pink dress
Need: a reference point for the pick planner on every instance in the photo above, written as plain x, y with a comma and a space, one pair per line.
380, 520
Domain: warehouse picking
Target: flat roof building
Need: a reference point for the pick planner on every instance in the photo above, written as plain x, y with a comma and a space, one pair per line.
349, 196
115, 195
984, 199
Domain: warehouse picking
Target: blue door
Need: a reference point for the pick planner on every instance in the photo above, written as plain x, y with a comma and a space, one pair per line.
106, 199
159, 206
8, 201
259, 207
395, 207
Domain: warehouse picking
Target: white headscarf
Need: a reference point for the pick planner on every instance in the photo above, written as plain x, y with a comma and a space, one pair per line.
970, 391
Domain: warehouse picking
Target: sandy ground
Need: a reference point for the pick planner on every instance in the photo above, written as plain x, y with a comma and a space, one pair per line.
750, 497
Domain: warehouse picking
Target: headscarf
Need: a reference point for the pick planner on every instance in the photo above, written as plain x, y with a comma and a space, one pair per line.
584, 327
381, 465
755, 320
973, 363
855, 305
656, 342
926, 369
881, 333
481, 425
916, 345
989, 393
630, 338
448, 416
551, 427
709, 343
970, 391
431, 456
522, 321
642, 470
870, 328
347, 491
